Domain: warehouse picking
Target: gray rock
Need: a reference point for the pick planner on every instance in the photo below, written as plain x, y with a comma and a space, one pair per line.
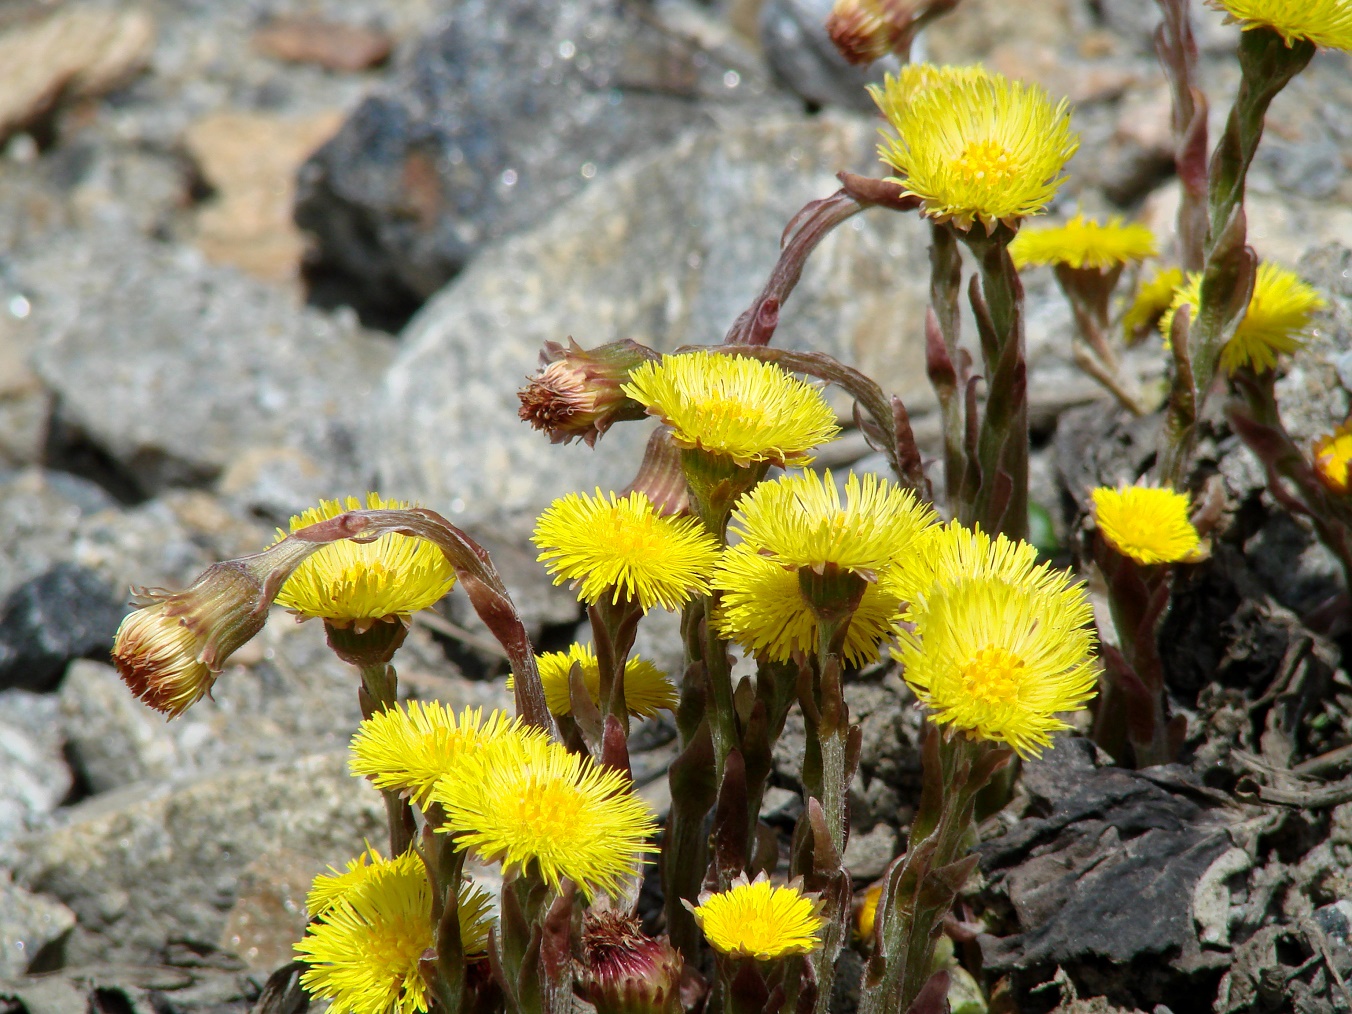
501, 112
66, 613
867, 855
34, 776
668, 252
113, 739
40, 513
176, 368
153, 864
28, 923
793, 35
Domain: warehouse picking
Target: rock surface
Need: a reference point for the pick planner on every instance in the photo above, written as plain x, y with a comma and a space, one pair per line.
28, 924
65, 613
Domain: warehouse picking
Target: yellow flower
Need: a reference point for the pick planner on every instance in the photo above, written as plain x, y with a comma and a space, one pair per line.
1326, 23
763, 609
867, 916
898, 91
1083, 243
527, 801
356, 584
363, 949
986, 149
330, 888
758, 920
1278, 314
647, 689
998, 661
1152, 301
623, 548
735, 406
1333, 458
1146, 523
408, 749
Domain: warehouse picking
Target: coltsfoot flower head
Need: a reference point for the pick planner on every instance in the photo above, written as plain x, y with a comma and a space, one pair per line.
647, 690
363, 949
1333, 459
623, 548
1326, 23
757, 919
626, 971
578, 392
1147, 523
1083, 243
1151, 302
171, 649
988, 149
998, 661
408, 749
357, 584
735, 406
531, 803
866, 913
1276, 320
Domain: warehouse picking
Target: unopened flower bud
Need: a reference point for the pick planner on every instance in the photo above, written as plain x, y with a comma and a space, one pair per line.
171, 649
628, 972
578, 392
1333, 459
867, 30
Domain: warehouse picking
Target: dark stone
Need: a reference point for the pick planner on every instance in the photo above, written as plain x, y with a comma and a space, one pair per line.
501, 112
64, 614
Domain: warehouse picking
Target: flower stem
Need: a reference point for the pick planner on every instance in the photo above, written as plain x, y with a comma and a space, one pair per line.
379, 692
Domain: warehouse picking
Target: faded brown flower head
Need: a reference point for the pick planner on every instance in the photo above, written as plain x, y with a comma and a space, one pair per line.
577, 392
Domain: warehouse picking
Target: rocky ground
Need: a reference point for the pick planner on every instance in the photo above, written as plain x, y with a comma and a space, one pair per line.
182, 366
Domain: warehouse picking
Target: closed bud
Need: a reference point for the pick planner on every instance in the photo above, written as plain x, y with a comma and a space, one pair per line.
867, 30
628, 972
577, 392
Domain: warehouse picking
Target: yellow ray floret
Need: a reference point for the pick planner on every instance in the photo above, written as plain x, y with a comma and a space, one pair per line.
1333, 459
1151, 302
760, 920
622, 548
986, 149
407, 749
1276, 320
363, 949
763, 609
898, 91
647, 689
999, 661
1083, 243
1146, 523
801, 522
1326, 23
330, 888
356, 583
735, 406
531, 803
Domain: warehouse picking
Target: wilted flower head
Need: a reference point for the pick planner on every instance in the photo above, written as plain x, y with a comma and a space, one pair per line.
1152, 301
578, 394
647, 690
735, 406
984, 149
358, 584
1326, 23
626, 971
757, 919
622, 548
170, 650
1275, 321
1083, 243
1147, 523
1333, 459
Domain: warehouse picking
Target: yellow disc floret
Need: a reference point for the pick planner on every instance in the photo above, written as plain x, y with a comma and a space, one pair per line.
1083, 243
531, 803
1326, 23
352, 583
622, 548
1147, 523
760, 920
1333, 459
984, 148
647, 689
735, 406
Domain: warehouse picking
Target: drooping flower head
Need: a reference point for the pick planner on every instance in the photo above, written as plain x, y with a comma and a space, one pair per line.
987, 149
1147, 523
357, 584
1083, 243
1276, 320
647, 690
757, 919
364, 944
1333, 459
622, 548
577, 394
1326, 23
529, 802
998, 661
1152, 301
407, 749
867, 30
734, 406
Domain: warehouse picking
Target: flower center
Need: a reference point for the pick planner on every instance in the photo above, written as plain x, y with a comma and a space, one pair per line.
985, 162
548, 811
994, 676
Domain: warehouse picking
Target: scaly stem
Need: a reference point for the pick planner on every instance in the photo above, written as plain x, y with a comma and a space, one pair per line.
945, 291
380, 692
